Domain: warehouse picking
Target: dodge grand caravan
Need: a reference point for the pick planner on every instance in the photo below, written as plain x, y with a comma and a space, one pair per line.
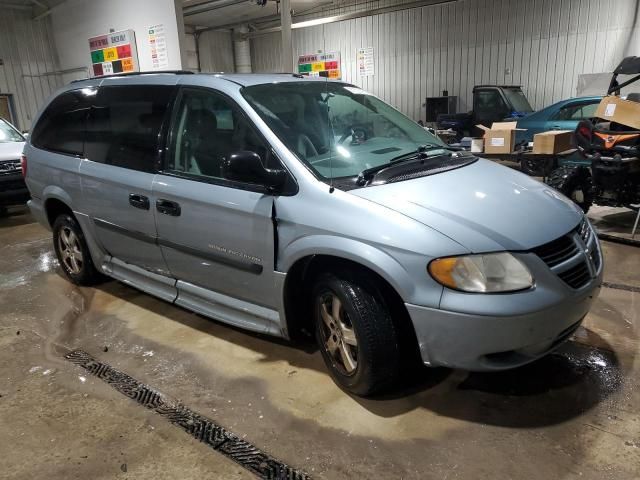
286, 205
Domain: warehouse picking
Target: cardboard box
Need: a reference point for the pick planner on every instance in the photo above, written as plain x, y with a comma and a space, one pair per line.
615, 109
477, 145
500, 138
552, 142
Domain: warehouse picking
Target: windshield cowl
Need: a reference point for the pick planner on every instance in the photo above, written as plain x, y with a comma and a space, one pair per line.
421, 167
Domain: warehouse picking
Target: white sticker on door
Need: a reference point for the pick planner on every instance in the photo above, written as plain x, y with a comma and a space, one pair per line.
609, 110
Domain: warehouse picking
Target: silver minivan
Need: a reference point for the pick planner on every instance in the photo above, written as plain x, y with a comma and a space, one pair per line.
289, 205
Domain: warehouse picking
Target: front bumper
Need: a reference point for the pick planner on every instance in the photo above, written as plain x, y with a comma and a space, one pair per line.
485, 343
13, 190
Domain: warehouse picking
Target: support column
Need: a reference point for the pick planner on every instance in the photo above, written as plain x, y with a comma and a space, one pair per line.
241, 50
287, 43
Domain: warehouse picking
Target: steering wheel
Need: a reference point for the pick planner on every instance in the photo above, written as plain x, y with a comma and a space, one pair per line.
358, 134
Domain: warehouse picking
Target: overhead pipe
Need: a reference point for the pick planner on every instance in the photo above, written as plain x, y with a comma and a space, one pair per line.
58, 72
351, 15
209, 6
287, 42
241, 49
13, 6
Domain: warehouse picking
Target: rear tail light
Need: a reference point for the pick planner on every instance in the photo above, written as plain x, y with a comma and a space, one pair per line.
23, 165
584, 131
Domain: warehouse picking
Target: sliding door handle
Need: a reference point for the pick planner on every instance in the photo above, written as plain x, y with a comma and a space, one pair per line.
168, 207
139, 201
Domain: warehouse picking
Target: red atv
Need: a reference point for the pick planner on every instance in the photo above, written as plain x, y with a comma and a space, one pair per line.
612, 174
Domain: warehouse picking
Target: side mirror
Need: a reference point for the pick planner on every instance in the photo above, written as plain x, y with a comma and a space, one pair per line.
246, 167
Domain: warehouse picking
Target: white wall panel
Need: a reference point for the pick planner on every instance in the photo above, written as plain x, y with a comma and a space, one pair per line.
543, 45
215, 49
29, 63
75, 21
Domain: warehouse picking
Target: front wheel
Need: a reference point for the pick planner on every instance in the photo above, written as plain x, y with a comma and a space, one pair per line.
355, 333
574, 182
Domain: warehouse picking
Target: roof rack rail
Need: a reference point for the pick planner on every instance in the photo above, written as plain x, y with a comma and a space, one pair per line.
131, 74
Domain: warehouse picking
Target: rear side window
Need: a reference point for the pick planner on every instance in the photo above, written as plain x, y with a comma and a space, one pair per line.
123, 128
61, 126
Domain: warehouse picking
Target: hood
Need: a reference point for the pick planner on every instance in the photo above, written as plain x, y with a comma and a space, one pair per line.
11, 150
484, 206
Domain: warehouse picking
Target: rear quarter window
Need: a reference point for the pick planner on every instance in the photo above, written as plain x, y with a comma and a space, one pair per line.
61, 126
124, 126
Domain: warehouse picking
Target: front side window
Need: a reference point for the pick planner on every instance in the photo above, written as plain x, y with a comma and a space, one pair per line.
517, 100
8, 133
337, 130
124, 126
61, 126
207, 127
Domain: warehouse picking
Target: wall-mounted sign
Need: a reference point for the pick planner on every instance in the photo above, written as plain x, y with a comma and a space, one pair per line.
114, 53
364, 58
158, 47
320, 65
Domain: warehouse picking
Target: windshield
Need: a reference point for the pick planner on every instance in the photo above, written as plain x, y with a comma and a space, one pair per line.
8, 133
338, 130
517, 99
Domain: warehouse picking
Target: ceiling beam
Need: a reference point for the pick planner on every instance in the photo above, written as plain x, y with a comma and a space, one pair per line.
351, 15
210, 6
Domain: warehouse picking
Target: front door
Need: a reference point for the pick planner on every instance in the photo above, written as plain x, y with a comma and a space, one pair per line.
121, 148
214, 234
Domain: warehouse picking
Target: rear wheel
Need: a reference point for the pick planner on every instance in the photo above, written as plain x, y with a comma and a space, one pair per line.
355, 333
575, 183
72, 251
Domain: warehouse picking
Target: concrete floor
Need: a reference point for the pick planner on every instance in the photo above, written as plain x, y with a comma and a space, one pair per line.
573, 414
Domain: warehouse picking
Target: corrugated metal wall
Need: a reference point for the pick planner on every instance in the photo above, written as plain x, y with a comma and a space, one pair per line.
542, 45
29, 60
216, 51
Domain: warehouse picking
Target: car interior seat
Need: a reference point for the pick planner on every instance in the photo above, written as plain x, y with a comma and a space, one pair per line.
203, 146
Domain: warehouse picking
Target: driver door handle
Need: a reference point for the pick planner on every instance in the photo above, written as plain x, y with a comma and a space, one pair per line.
168, 207
139, 201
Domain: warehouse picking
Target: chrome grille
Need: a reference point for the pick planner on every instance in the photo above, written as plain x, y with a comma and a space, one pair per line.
579, 250
9, 166
577, 276
557, 251
585, 232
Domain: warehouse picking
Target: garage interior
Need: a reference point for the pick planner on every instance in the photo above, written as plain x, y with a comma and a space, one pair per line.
574, 413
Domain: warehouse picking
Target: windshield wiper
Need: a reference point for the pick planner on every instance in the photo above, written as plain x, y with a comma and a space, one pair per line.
418, 154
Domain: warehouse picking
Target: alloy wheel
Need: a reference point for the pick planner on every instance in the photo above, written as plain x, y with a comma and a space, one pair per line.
70, 251
338, 334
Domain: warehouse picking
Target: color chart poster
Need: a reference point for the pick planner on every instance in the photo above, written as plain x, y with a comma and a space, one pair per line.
114, 53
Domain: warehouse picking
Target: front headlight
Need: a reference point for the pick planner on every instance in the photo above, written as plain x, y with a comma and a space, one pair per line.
488, 273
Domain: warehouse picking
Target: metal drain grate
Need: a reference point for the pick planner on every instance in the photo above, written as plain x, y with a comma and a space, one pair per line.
199, 427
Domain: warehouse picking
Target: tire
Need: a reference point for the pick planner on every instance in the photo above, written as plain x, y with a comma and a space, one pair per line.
536, 168
73, 253
355, 333
575, 183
